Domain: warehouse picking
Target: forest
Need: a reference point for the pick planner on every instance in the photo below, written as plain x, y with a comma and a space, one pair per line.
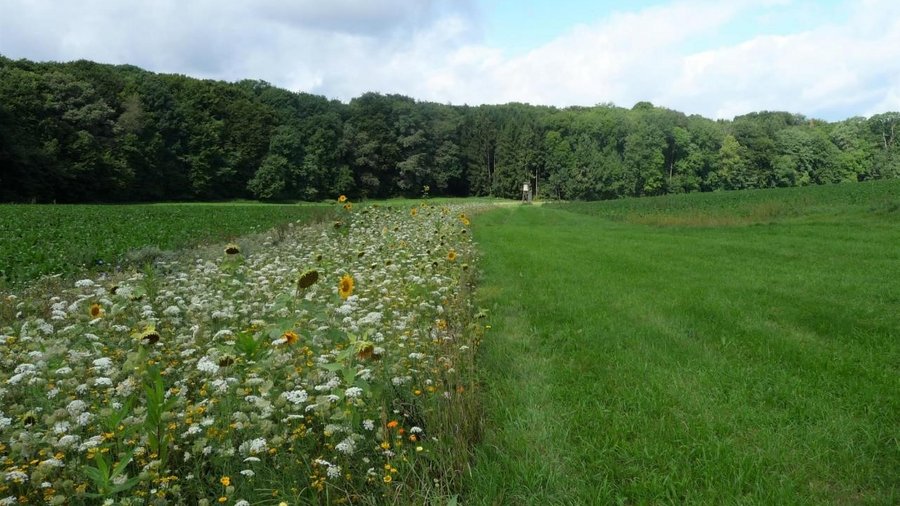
90, 132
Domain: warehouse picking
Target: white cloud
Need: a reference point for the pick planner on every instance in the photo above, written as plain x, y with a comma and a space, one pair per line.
831, 71
432, 50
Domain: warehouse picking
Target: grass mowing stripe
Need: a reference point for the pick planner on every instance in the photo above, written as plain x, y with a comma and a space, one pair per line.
753, 364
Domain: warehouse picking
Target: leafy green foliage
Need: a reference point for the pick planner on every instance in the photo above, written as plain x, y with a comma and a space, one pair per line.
37, 240
86, 132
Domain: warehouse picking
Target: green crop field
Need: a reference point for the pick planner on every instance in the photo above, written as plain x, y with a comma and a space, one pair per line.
726, 348
731, 348
37, 240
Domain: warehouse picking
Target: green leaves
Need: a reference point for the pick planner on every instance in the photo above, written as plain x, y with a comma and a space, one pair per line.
251, 347
158, 408
106, 478
41, 240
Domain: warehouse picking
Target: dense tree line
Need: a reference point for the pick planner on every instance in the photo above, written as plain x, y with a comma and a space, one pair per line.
87, 132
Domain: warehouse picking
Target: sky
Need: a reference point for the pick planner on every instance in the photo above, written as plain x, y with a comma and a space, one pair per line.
826, 59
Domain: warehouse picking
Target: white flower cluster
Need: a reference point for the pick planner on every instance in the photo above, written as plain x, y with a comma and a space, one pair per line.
238, 388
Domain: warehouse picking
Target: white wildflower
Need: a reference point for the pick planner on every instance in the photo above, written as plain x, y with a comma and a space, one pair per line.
333, 471
17, 476
207, 365
91, 443
172, 311
52, 462
373, 318
68, 441
347, 446
103, 363
253, 447
296, 396
223, 333
193, 429
331, 384
76, 407
102, 382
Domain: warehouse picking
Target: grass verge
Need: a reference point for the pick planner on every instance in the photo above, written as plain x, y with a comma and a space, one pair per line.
638, 364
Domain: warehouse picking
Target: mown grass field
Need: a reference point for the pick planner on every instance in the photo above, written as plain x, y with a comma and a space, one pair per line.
735, 348
37, 240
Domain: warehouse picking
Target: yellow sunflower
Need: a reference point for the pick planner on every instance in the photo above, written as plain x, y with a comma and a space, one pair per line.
232, 249
345, 287
290, 337
342, 199
96, 310
451, 255
464, 219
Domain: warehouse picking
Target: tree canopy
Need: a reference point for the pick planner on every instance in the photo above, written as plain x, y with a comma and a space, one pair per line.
89, 132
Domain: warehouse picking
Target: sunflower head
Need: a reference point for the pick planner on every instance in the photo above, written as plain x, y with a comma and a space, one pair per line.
96, 310
348, 206
414, 211
451, 255
464, 219
345, 287
150, 336
342, 199
307, 279
290, 337
232, 249
365, 352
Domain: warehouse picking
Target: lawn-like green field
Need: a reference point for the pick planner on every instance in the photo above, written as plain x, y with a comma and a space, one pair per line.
37, 240
734, 348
